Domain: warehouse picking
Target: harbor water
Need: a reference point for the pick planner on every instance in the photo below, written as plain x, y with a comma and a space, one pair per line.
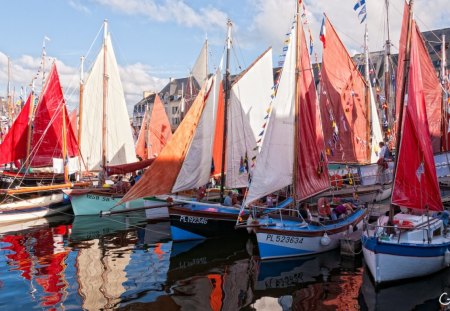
125, 262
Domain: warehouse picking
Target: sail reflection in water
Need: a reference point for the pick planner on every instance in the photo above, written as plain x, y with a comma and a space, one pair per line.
124, 262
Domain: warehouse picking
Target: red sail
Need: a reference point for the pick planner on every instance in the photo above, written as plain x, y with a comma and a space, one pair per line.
416, 184
14, 146
73, 117
47, 127
431, 86
342, 103
312, 172
159, 129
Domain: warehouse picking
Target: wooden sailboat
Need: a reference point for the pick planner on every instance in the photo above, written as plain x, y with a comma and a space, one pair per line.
293, 153
350, 122
106, 146
408, 245
155, 131
185, 162
39, 137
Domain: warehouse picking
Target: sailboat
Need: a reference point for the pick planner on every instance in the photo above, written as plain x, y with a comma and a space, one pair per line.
155, 131
185, 162
105, 146
407, 245
41, 136
350, 123
292, 153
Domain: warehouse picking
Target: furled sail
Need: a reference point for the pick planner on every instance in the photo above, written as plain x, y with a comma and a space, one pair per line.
118, 135
416, 184
343, 104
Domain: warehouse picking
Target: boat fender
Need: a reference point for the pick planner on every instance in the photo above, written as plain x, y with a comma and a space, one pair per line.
249, 222
447, 257
336, 181
325, 240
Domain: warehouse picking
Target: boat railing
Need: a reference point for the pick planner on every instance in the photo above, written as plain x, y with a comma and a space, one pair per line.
395, 230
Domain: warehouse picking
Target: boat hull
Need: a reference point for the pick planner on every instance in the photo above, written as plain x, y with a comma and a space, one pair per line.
280, 242
92, 203
34, 208
191, 223
384, 259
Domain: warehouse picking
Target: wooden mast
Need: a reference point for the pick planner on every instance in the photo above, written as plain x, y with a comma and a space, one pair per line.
296, 102
369, 125
105, 94
30, 125
402, 102
444, 97
64, 145
80, 111
8, 94
387, 75
225, 113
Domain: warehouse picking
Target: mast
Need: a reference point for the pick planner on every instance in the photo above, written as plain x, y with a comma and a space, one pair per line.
8, 92
367, 97
402, 102
30, 122
444, 97
296, 102
105, 94
387, 79
80, 109
225, 113
64, 145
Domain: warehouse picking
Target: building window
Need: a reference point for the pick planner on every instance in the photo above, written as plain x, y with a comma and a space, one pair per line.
175, 121
174, 109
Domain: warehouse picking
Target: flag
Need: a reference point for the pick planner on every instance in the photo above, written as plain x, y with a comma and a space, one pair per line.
362, 14
322, 33
359, 4
311, 42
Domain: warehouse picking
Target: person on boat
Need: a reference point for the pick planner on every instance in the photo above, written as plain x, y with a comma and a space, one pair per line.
305, 212
120, 186
201, 193
341, 210
132, 179
269, 200
228, 201
139, 175
234, 200
382, 163
323, 208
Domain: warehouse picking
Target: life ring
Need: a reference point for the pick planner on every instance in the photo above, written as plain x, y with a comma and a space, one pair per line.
403, 224
336, 181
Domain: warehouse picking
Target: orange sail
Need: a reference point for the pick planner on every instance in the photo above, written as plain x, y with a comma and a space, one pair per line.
218, 134
160, 177
416, 185
141, 143
311, 171
343, 106
159, 129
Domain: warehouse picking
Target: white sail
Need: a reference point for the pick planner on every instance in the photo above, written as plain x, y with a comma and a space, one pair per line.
377, 135
200, 69
196, 168
274, 165
247, 107
119, 138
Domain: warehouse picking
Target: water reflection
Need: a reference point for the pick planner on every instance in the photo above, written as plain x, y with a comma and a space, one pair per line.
126, 262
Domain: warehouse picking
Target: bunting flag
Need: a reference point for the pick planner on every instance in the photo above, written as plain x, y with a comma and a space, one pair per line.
311, 42
323, 33
362, 14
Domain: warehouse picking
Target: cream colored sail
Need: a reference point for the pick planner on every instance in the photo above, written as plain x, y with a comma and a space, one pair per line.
247, 107
200, 69
377, 135
196, 168
119, 138
274, 165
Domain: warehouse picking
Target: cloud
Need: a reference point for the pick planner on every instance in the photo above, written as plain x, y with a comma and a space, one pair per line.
76, 4
170, 11
136, 78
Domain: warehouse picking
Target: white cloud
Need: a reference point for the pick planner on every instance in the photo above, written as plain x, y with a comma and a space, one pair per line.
171, 11
76, 4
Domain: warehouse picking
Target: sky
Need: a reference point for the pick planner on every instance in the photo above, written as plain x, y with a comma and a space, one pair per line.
155, 40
